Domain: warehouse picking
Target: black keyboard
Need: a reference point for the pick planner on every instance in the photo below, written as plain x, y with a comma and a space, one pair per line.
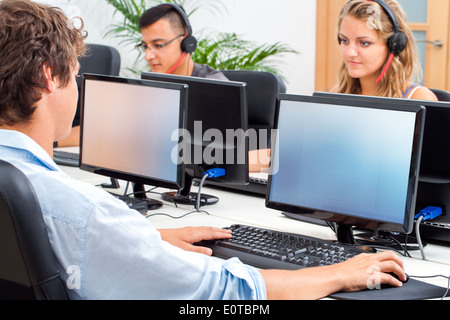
268, 249
64, 158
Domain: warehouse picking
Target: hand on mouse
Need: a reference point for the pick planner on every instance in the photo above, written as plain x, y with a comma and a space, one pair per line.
367, 270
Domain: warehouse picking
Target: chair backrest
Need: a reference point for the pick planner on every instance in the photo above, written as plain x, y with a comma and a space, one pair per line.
262, 91
28, 269
100, 59
442, 95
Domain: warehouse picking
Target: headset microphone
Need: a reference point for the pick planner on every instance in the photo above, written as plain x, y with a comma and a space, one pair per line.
189, 43
177, 64
396, 43
386, 68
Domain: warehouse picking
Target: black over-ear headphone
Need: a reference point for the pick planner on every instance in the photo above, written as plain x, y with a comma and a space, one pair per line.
397, 42
189, 44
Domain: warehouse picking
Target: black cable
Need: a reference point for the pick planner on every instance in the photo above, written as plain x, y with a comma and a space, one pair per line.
436, 276
405, 246
197, 205
448, 288
173, 217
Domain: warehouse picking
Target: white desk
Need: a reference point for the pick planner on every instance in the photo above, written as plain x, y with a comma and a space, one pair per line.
236, 208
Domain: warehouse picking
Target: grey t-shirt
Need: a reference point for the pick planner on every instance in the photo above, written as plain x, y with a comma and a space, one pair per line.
205, 71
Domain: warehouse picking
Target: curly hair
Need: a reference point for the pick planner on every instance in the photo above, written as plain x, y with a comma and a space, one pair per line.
404, 66
32, 34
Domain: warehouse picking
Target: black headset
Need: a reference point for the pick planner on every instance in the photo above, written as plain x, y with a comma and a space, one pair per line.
189, 44
397, 42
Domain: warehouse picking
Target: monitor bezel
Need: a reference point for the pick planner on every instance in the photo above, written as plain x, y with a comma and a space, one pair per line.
242, 172
341, 218
128, 176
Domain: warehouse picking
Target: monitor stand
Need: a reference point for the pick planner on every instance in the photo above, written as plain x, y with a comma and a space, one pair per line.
113, 185
139, 193
377, 239
185, 196
365, 240
344, 234
389, 240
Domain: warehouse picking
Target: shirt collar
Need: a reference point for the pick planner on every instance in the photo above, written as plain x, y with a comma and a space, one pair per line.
20, 141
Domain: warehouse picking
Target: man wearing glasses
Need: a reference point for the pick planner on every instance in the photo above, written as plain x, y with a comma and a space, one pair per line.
167, 43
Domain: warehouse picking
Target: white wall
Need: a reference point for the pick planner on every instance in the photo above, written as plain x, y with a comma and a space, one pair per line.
291, 22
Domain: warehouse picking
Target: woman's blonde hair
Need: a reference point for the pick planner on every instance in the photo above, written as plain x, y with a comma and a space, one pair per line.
404, 67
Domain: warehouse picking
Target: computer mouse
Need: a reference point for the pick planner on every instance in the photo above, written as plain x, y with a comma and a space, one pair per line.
388, 286
396, 277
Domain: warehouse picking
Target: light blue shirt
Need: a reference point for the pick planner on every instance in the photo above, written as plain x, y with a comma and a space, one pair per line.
107, 251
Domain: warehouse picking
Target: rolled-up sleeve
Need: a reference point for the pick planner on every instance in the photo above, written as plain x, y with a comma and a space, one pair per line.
239, 282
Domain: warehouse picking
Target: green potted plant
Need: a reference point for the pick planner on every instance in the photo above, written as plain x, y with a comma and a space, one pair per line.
222, 51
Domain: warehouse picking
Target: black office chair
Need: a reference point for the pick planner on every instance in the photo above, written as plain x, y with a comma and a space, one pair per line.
262, 90
442, 95
28, 269
100, 59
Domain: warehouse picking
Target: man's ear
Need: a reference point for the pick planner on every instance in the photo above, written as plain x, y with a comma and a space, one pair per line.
48, 75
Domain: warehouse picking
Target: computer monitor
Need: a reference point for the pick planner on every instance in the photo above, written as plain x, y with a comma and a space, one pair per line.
348, 162
130, 129
217, 127
434, 178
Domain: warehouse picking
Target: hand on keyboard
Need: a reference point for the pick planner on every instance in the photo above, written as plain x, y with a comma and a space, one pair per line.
186, 237
321, 267
270, 249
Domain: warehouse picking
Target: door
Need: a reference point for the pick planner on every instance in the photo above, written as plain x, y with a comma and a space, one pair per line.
429, 20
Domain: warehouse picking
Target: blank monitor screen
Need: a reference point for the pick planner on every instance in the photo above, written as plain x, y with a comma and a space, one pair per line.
130, 129
347, 162
434, 166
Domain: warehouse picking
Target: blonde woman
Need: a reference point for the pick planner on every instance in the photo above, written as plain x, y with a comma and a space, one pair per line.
379, 57
379, 52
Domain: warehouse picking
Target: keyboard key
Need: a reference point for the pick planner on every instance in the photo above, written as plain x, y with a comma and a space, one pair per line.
270, 249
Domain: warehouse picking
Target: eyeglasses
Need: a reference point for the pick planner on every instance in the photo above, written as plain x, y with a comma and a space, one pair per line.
157, 46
